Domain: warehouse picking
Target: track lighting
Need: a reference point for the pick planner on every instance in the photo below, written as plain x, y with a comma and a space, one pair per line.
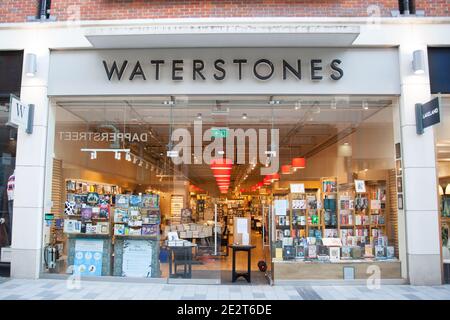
199, 116
298, 105
93, 155
117, 155
244, 116
128, 156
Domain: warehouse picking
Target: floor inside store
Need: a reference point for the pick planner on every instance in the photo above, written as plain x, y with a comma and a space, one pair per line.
212, 268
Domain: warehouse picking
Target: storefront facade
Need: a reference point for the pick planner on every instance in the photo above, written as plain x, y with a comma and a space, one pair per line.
361, 87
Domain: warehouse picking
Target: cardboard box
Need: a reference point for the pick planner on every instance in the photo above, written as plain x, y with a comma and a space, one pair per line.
241, 230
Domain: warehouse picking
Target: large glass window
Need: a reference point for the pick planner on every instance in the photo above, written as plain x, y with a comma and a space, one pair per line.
159, 187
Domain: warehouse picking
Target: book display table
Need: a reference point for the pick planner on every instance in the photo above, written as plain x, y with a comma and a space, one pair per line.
247, 275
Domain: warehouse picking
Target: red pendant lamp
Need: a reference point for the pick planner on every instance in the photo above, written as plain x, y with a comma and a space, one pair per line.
299, 163
267, 181
286, 169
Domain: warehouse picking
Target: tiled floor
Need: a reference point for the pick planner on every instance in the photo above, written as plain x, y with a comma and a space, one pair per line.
91, 290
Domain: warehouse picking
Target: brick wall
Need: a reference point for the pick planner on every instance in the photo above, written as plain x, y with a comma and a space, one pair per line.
18, 10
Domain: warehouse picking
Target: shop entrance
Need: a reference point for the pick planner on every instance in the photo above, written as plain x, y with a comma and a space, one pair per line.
177, 180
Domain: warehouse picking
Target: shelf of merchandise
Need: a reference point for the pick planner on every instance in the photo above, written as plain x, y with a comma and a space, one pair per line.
325, 195
377, 191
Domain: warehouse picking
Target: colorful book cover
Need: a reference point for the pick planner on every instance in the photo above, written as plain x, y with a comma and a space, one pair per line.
104, 211
150, 230
105, 199
150, 200
72, 226
122, 201
95, 212
119, 229
120, 215
135, 200
86, 213
92, 198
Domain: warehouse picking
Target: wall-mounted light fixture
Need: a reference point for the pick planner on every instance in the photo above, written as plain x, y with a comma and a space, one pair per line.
418, 62
30, 65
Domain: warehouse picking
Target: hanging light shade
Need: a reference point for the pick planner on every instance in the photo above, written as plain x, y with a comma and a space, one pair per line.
275, 177
221, 173
441, 190
286, 169
221, 179
299, 163
221, 164
260, 184
267, 181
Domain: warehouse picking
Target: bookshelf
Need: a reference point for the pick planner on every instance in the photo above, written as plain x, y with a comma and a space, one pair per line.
328, 194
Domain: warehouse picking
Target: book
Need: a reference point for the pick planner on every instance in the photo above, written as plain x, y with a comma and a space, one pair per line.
122, 201
91, 228
133, 231
135, 200
368, 251
312, 251
120, 215
95, 213
390, 252
150, 230
151, 200
86, 213
379, 252
104, 211
72, 226
103, 227
335, 254
119, 229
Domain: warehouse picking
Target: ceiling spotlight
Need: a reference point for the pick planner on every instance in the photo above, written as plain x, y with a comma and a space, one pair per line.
298, 105
272, 102
128, 156
146, 166
244, 116
141, 163
93, 155
117, 155
365, 105
169, 102
199, 116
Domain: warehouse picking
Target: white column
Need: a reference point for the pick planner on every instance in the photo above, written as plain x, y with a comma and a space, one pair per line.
30, 175
419, 174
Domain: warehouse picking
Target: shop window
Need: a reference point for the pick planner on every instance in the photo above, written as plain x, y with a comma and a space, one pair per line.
133, 186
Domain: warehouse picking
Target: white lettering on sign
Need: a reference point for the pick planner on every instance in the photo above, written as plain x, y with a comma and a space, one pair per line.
430, 113
18, 113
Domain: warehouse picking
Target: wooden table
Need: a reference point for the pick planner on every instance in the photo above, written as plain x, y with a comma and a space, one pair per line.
247, 275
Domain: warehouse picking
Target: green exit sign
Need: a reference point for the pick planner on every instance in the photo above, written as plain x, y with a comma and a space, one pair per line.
219, 132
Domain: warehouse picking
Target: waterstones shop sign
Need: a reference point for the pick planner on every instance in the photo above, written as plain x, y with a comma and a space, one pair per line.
214, 71
261, 69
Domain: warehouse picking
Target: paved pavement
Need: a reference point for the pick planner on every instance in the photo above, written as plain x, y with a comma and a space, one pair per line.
45, 289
